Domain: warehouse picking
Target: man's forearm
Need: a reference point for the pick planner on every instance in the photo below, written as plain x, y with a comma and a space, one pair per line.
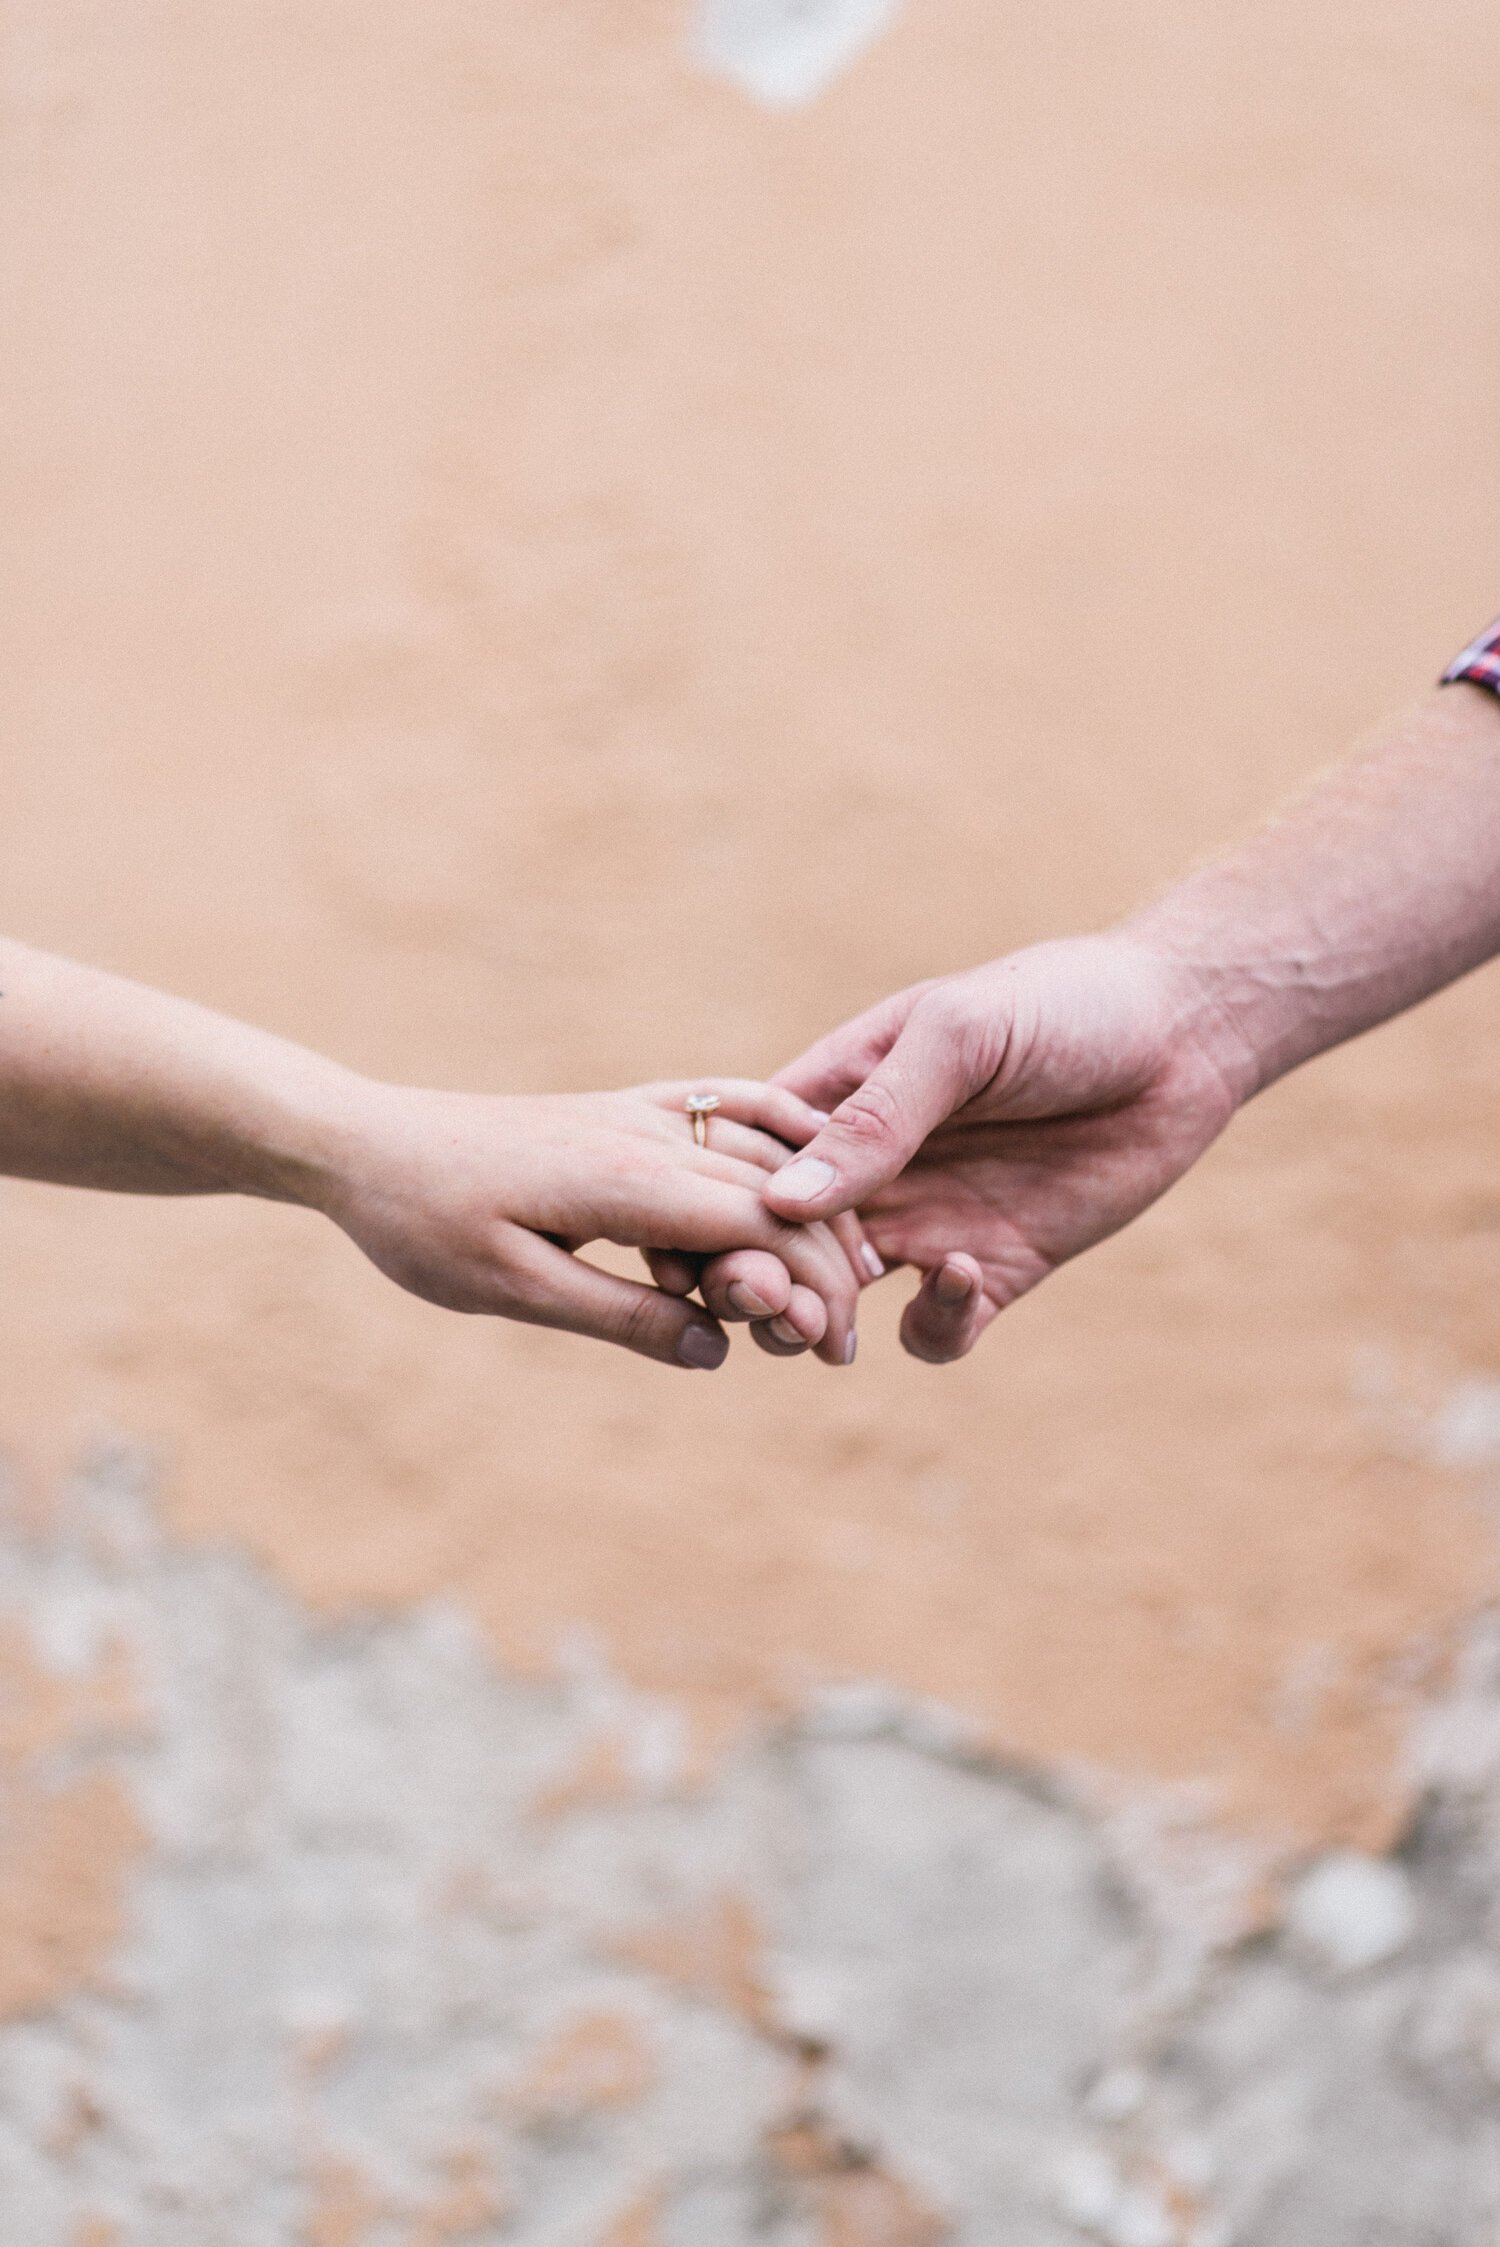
106, 1083
1377, 886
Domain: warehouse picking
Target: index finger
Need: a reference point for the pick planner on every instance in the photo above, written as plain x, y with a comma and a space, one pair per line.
834, 1065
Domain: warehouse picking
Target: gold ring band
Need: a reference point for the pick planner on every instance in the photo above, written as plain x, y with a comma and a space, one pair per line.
700, 1106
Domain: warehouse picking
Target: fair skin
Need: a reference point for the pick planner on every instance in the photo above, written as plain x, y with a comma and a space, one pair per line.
477, 1202
992, 1124
988, 1125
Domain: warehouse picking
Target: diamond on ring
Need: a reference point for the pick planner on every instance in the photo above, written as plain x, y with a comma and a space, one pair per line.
700, 1106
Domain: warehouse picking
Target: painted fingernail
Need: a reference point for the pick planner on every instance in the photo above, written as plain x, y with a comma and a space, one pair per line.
850, 1347
871, 1262
747, 1302
784, 1331
700, 1346
804, 1179
954, 1285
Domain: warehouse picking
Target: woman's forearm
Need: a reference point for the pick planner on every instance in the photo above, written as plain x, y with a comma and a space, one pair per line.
466, 1199
106, 1083
1377, 886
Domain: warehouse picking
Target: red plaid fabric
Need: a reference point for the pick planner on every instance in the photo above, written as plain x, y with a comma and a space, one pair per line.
1480, 661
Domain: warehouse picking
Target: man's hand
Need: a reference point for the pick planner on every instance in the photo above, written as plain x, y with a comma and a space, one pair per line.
991, 1125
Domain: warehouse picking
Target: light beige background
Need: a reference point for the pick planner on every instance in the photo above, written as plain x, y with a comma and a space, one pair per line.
525, 570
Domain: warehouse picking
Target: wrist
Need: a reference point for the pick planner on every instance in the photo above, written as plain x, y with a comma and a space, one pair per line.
1225, 1009
298, 1139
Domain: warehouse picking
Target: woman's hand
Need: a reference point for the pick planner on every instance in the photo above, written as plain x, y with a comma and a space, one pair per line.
474, 1202
479, 1203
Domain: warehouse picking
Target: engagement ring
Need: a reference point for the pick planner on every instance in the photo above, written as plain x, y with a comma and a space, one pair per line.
700, 1106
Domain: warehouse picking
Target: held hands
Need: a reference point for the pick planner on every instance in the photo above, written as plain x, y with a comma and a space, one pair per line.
986, 1127
479, 1203
990, 1125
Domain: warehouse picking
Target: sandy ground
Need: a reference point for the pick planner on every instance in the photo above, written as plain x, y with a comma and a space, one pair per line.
525, 570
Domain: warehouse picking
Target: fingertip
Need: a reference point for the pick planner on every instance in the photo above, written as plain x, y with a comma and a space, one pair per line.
800, 1183
806, 1314
945, 1317
863, 1258
673, 1272
766, 1337
955, 1281
701, 1347
746, 1284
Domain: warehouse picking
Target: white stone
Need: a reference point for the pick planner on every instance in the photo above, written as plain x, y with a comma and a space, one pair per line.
1191, 2161
1352, 1911
1212, 2231
1467, 1425
856, 1709
786, 51
1088, 2188
1118, 2094
1141, 2219
1466, 1428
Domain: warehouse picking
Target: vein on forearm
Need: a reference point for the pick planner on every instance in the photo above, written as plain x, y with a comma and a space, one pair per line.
1375, 887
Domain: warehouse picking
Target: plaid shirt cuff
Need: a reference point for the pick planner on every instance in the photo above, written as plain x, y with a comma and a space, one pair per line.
1480, 662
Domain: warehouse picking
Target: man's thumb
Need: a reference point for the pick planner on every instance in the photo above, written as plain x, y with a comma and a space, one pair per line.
871, 1137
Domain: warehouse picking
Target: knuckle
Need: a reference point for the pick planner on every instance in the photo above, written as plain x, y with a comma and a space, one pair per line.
950, 1019
636, 1325
870, 1116
831, 1281
796, 1246
946, 1006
